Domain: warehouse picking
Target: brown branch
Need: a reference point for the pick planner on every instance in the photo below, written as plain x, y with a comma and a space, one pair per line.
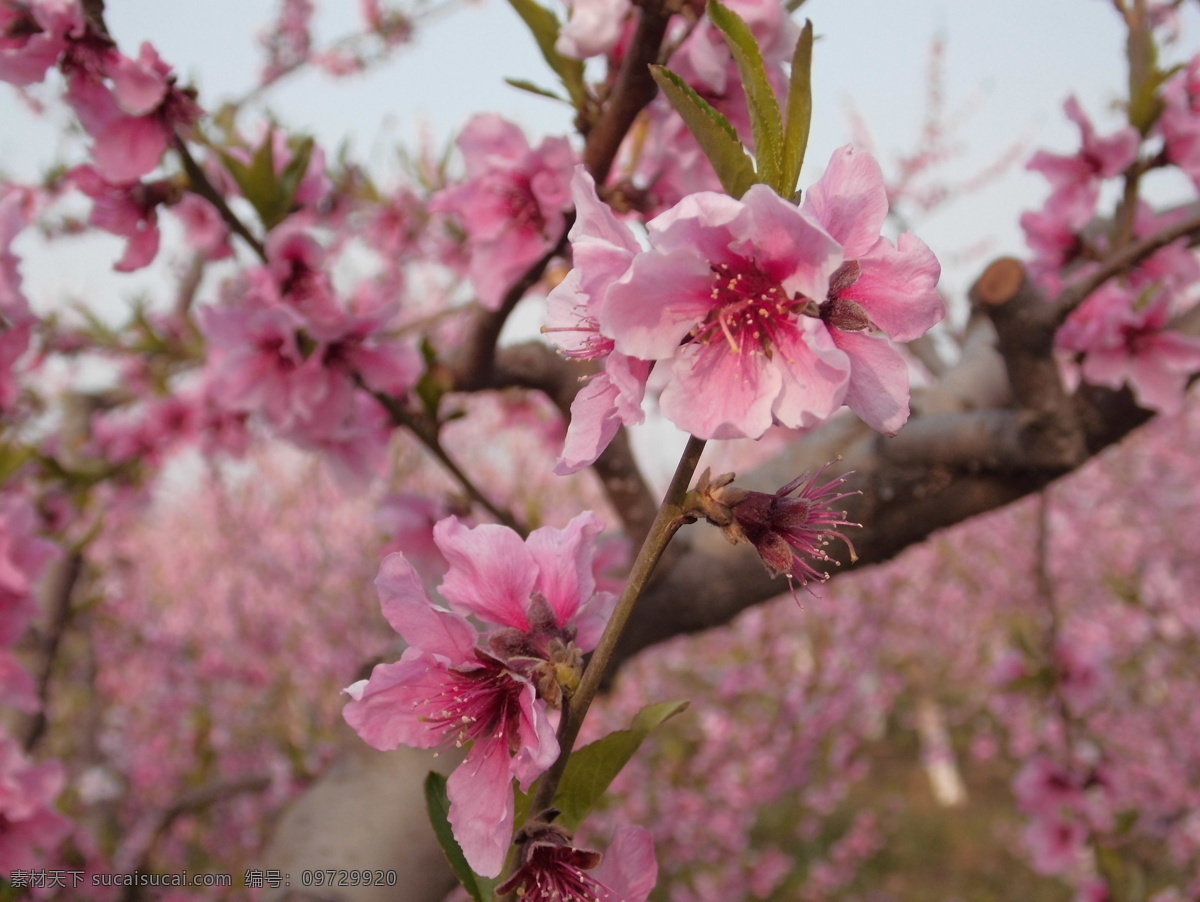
61, 589
199, 183
427, 434
535, 365
1077, 292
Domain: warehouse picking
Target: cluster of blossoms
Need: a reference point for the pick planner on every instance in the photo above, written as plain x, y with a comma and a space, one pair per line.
500, 689
753, 312
290, 350
1122, 333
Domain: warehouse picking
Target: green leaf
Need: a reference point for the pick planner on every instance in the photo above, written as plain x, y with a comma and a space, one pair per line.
437, 803
592, 768
799, 112
545, 27
717, 138
523, 85
272, 195
764, 108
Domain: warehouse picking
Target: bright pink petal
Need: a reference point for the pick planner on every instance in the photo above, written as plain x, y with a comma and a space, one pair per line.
138, 88
786, 244
898, 287
878, 389
539, 741
413, 615
481, 806
564, 562
491, 571
850, 200
142, 247
594, 422
488, 140
698, 225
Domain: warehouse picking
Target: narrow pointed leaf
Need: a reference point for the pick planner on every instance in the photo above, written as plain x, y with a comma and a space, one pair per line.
437, 803
545, 27
522, 85
764, 108
717, 138
290, 179
592, 768
799, 112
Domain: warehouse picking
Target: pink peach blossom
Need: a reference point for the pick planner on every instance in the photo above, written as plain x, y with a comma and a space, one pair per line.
512, 205
720, 299
498, 691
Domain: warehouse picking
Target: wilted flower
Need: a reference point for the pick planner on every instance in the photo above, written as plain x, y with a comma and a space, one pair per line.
787, 531
553, 870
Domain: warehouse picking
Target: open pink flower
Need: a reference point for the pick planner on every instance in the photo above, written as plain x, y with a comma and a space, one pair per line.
1097, 158
880, 287
513, 204
499, 691
1114, 339
720, 299
133, 121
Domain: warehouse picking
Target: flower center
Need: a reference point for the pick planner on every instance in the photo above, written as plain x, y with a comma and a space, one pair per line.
478, 703
749, 310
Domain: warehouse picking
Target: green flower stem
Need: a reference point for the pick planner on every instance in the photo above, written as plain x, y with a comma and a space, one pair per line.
670, 517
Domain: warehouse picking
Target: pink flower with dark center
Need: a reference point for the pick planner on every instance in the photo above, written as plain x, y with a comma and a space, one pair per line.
880, 287
499, 692
722, 298
1098, 158
1124, 339
513, 204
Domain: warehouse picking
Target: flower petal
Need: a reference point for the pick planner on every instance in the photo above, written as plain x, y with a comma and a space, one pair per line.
849, 200
878, 389
413, 615
564, 562
481, 806
491, 571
